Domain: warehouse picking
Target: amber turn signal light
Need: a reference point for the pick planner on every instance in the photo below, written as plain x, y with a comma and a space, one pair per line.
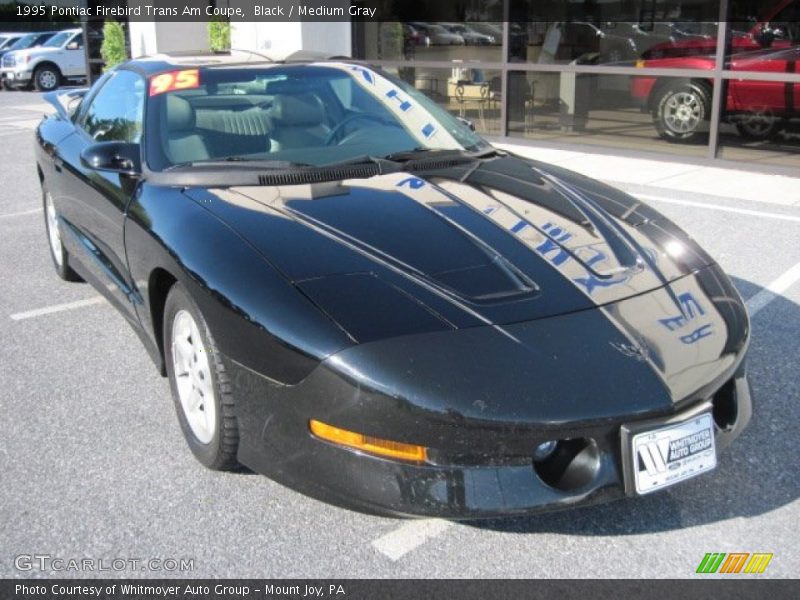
366, 443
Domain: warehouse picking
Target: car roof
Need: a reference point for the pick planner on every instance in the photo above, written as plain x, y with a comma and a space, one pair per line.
160, 63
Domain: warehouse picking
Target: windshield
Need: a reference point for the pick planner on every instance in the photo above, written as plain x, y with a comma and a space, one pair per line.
58, 39
301, 114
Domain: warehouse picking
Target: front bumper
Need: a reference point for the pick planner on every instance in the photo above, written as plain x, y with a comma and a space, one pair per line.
276, 442
482, 400
15, 77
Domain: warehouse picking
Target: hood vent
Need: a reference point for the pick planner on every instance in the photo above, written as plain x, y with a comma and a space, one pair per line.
301, 176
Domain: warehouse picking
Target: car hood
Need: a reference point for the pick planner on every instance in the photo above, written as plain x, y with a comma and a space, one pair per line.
470, 244
39, 51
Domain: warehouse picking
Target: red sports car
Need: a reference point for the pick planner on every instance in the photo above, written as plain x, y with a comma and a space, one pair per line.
681, 107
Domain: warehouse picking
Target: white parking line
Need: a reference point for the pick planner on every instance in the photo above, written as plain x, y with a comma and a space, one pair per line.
741, 211
408, 536
413, 534
773, 290
48, 310
13, 131
20, 214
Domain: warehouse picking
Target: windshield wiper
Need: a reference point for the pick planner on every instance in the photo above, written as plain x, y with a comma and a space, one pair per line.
435, 153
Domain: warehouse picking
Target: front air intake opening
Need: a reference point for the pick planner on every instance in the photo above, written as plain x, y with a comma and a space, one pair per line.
725, 408
571, 466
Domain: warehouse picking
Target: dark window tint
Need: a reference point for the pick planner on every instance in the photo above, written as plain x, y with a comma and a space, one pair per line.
115, 113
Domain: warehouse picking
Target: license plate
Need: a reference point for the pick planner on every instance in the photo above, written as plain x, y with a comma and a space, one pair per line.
673, 453
10, 76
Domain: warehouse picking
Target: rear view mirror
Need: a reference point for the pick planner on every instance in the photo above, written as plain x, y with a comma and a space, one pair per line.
72, 46
117, 157
467, 122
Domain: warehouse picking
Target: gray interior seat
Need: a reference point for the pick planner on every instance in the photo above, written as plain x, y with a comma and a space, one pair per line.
235, 132
182, 142
298, 121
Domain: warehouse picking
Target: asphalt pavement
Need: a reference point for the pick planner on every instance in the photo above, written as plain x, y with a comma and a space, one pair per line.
93, 464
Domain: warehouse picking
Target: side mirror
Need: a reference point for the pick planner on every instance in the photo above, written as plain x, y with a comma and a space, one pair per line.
73, 46
467, 122
765, 36
117, 157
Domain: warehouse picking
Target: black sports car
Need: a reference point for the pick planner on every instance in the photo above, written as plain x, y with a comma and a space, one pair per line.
354, 294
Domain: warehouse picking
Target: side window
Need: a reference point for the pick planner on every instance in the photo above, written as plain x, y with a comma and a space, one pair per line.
115, 113
76, 43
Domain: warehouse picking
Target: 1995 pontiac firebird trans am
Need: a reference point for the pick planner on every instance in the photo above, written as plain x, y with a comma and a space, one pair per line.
355, 295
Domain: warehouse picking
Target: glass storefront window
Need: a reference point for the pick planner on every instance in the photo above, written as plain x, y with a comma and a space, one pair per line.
546, 98
470, 93
666, 115
618, 33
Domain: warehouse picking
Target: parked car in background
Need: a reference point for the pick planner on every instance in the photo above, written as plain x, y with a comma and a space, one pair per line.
471, 37
493, 30
6, 39
438, 35
681, 108
59, 59
587, 42
414, 37
29, 40
625, 41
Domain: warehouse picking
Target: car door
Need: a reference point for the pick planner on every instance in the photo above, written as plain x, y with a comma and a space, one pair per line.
74, 58
92, 203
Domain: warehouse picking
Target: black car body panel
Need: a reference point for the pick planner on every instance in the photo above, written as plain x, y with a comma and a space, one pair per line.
478, 308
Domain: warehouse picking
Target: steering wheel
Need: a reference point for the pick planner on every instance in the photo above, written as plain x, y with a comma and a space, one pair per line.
334, 133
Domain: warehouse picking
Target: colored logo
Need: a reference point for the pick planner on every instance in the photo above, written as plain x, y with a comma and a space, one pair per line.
734, 562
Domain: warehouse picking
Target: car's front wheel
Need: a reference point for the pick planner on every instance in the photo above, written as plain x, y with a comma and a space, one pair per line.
758, 125
682, 110
46, 78
200, 385
52, 226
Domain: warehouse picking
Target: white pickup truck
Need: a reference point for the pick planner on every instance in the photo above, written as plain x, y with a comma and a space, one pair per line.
59, 59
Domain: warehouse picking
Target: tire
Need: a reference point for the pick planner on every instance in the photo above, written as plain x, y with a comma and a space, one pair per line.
201, 389
758, 126
46, 78
681, 111
58, 253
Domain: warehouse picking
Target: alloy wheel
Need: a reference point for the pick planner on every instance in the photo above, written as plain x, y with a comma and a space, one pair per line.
48, 79
53, 232
193, 377
683, 112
